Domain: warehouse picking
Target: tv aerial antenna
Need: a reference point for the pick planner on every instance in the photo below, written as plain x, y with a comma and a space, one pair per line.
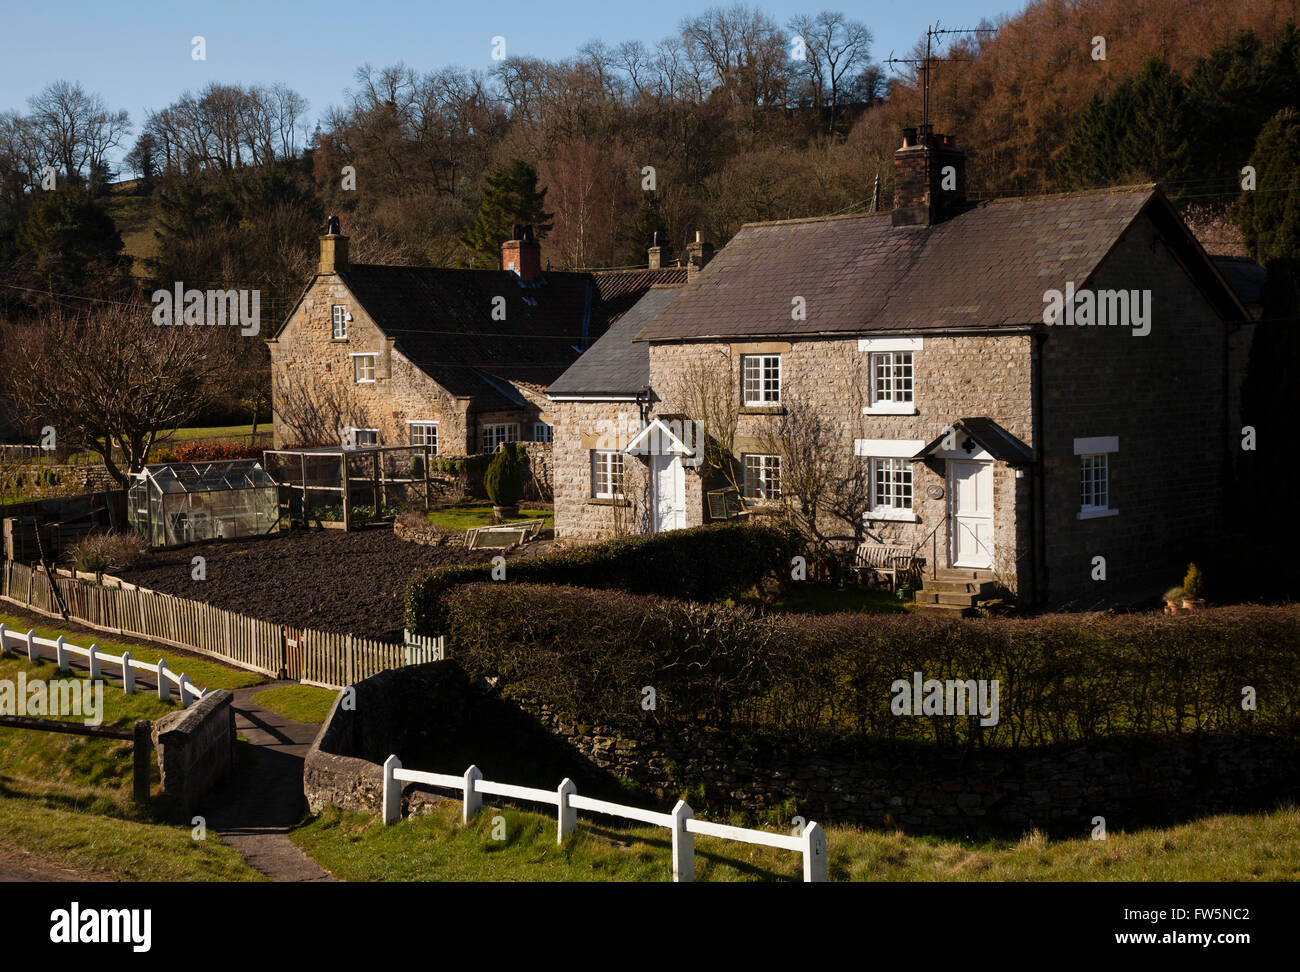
926, 63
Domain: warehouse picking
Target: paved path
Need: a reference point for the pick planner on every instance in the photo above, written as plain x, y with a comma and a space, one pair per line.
255, 809
252, 812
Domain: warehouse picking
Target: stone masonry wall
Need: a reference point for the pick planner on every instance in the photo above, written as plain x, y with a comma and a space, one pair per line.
1163, 395
954, 377
579, 516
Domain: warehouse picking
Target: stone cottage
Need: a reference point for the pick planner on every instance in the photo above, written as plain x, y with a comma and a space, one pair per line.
1030, 391
455, 359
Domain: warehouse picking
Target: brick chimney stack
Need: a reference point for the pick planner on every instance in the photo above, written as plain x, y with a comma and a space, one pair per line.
333, 249
929, 178
698, 255
656, 253
522, 253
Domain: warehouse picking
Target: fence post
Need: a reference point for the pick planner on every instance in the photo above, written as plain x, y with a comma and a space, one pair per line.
473, 799
164, 690
94, 662
128, 674
392, 791
33, 653
61, 656
568, 816
185, 691
4, 644
141, 746
814, 853
683, 843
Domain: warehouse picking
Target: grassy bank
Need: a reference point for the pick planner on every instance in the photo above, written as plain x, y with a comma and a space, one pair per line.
1229, 847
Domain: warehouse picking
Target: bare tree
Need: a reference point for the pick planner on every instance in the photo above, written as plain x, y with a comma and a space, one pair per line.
109, 380
835, 47
76, 129
711, 399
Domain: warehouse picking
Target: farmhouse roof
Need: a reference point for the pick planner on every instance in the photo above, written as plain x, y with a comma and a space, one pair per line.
616, 365
986, 267
443, 321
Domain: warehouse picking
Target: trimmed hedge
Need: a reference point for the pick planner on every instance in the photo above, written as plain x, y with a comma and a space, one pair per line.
207, 450
586, 655
701, 563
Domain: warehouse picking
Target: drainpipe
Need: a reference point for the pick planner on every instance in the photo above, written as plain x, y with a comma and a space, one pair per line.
1038, 546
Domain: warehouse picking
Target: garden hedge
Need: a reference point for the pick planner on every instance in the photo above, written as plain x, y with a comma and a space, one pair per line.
701, 563
587, 654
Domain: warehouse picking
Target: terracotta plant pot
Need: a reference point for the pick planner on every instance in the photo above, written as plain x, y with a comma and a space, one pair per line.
1193, 604
1172, 607
502, 513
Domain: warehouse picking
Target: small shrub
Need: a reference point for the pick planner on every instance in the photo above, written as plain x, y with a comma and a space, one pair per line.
214, 451
100, 552
504, 479
1175, 594
1193, 583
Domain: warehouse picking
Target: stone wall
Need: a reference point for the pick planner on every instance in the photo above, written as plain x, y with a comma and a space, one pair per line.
954, 377
1134, 781
196, 747
1163, 395
578, 515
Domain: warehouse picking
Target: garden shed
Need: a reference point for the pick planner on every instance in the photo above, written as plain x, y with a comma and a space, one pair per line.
184, 502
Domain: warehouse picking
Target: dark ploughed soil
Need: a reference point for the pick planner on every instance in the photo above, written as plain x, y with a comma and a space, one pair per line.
323, 579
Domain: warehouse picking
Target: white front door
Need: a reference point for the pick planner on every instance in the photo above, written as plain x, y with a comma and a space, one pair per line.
669, 480
970, 491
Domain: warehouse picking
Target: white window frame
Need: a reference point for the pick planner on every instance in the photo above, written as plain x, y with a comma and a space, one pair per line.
546, 429
339, 322
355, 431
886, 397
893, 510
357, 358
762, 477
607, 466
1094, 454
766, 387
426, 426
494, 432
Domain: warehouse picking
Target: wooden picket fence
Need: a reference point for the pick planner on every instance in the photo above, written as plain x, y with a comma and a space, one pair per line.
326, 659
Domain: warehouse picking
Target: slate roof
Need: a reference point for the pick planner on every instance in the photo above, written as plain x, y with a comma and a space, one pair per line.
984, 268
441, 319
992, 438
616, 365
1244, 276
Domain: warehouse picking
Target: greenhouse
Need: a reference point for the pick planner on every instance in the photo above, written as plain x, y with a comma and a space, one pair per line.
184, 502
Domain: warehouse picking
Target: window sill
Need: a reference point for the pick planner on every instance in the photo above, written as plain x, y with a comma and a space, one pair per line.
607, 501
892, 516
365, 381
1096, 514
890, 408
762, 410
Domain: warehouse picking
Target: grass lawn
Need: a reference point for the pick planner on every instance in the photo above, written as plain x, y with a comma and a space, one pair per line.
458, 518
97, 830
828, 599
215, 432
356, 847
301, 703
203, 673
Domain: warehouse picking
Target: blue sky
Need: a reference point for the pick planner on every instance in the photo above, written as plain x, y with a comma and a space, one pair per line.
137, 54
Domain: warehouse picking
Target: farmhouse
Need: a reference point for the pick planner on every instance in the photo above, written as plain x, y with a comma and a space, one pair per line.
907, 352
454, 359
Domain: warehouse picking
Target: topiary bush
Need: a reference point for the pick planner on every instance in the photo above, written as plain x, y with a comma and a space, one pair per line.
704, 563
504, 479
1193, 583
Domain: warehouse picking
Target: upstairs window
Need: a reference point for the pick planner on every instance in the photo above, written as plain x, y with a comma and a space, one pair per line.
1094, 486
363, 367
541, 432
761, 379
891, 377
340, 326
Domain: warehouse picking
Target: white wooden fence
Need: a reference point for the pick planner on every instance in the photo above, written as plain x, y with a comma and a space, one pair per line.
811, 842
96, 659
